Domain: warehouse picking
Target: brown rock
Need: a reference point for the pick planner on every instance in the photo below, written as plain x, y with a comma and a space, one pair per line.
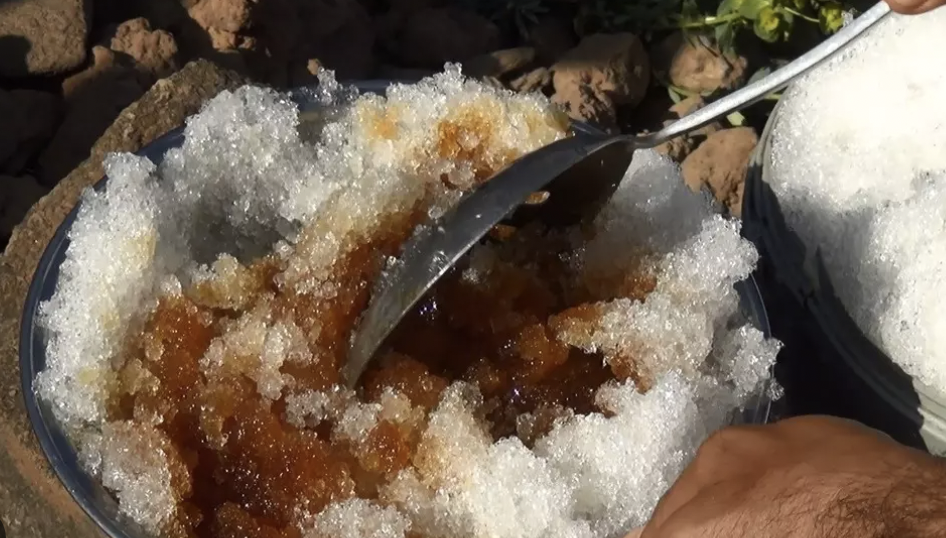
32, 502
686, 106
43, 37
226, 15
277, 38
720, 163
582, 104
499, 63
693, 65
603, 72
539, 79
17, 196
155, 51
612, 65
681, 146
212, 31
552, 37
29, 120
223, 40
94, 98
431, 37
677, 148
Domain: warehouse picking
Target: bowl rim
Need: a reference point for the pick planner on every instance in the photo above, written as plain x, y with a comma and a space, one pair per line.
61, 453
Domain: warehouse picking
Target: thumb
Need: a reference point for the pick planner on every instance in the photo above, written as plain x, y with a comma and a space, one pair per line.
636, 533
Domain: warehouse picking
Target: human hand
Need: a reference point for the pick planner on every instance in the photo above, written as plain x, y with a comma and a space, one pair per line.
914, 7
806, 477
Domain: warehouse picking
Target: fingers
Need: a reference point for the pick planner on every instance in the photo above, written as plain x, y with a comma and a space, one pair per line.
914, 7
727, 453
636, 533
814, 426
732, 473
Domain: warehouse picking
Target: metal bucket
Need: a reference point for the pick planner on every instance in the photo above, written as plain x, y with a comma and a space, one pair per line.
86, 490
884, 396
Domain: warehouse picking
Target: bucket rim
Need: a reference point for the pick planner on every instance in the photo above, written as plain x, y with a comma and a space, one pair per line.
810, 283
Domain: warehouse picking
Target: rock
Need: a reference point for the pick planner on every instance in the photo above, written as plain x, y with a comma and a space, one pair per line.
226, 15
155, 51
17, 196
94, 98
552, 37
582, 104
216, 30
29, 120
500, 63
32, 502
222, 40
695, 66
688, 106
278, 38
720, 163
539, 79
43, 37
603, 72
433, 36
612, 65
678, 148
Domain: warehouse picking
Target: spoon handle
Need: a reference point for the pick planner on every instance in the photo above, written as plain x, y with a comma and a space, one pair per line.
773, 82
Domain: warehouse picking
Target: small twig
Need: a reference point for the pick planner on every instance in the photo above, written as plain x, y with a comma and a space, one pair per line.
706, 22
798, 14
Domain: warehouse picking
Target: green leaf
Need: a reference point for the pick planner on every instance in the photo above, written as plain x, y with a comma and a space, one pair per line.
765, 35
728, 6
725, 37
750, 9
759, 74
736, 119
674, 96
830, 17
768, 26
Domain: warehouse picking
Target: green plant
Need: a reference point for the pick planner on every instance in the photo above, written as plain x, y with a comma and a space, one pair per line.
770, 21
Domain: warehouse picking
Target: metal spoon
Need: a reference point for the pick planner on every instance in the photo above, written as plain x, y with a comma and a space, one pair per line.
580, 174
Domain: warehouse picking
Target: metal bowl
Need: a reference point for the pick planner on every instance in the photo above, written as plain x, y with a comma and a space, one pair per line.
86, 490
